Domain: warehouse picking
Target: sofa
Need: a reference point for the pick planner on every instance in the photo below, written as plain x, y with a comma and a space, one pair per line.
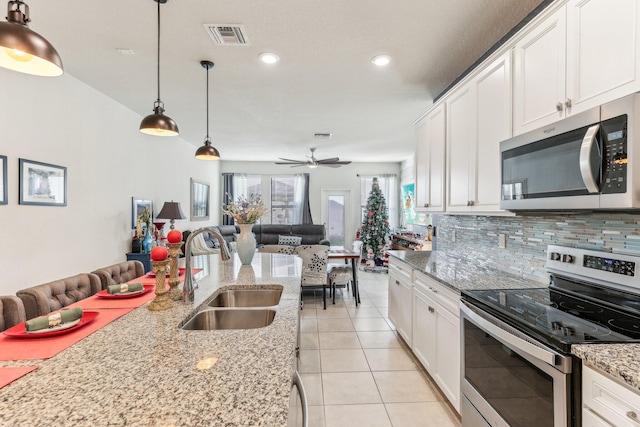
268, 234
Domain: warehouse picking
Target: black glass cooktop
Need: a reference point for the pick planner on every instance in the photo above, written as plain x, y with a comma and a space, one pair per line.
566, 313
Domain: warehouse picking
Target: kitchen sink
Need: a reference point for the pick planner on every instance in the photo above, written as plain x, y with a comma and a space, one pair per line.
247, 298
236, 318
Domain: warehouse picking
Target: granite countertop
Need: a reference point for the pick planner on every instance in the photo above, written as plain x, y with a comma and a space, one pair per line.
140, 370
618, 360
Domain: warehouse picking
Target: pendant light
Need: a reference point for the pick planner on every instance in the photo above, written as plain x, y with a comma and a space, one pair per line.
159, 124
207, 151
24, 50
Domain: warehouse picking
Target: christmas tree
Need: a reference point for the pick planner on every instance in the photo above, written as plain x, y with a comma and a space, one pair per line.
375, 225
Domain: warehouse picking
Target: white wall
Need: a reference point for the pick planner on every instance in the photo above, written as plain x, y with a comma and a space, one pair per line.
64, 122
322, 178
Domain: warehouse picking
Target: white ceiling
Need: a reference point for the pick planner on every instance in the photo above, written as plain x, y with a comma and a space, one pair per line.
324, 81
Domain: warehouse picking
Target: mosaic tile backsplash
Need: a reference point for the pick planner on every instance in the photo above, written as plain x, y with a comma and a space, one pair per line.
527, 237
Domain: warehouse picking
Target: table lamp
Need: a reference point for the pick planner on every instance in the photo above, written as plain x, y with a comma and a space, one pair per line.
171, 211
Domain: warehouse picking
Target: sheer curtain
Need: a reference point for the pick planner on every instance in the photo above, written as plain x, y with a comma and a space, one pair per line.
302, 209
389, 186
227, 196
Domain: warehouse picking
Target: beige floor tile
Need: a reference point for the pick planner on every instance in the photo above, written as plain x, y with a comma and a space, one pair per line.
313, 387
384, 311
308, 313
372, 324
343, 361
309, 362
379, 339
333, 312
335, 325
380, 302
338, 340
431, 414
389, 359
403, 386
309, 341
346, 388
316, 416
363, 312
308, 325
365, 302
356, 416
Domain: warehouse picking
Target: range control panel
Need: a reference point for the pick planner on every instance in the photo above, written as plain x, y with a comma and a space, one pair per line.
597, 266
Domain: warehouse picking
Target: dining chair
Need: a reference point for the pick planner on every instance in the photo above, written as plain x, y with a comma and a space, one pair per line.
119, 273
277, 249
338, 276
314, 267
11, 311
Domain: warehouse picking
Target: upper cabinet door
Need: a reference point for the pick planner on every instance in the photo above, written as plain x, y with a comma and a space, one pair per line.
602, 51
540, 68
430, 158
461, 146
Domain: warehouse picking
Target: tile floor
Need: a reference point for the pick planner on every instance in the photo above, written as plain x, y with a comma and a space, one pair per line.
355, 369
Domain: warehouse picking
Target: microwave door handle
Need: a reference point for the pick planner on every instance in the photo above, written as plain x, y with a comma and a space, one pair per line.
590, 138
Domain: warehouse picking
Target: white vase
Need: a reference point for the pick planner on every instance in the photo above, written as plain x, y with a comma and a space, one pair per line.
245, 244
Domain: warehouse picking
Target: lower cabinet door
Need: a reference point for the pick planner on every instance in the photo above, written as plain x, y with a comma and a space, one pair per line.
447, 375
424, 337
589, 419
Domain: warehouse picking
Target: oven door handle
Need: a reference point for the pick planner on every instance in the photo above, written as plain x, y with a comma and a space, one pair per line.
590, 138
508, 338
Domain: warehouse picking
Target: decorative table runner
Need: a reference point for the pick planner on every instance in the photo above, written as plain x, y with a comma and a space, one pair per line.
12, 348
12, 373
95, 301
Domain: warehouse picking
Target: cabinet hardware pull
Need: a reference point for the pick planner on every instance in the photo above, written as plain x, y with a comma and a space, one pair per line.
397, 283
567, 103
632, 415
559, 106
471, 202
431, 310
426, 205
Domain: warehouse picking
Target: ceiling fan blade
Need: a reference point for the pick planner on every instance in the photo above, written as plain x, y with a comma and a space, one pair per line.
298, 165
294, 161
335, 164
331, 160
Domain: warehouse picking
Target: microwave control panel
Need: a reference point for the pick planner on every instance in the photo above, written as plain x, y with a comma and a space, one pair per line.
614, 141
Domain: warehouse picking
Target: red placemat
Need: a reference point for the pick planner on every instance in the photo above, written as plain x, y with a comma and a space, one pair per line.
96, 302
12, 373
46, 347
146, 279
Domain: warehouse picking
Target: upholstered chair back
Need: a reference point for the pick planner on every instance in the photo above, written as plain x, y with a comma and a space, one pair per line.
11, 311
277, 249
43, 299
119, 273
314, 264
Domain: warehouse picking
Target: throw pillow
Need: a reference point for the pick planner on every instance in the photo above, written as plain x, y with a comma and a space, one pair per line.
289, 240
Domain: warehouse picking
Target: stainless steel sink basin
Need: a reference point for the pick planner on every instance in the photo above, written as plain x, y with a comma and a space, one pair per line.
237, 318
247, 298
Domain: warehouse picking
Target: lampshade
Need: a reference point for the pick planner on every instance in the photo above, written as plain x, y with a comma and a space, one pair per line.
207, 151
24, 50
159, 124
171, 211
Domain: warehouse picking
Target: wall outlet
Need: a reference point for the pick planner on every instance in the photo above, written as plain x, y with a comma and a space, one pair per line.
453, 236
502, 241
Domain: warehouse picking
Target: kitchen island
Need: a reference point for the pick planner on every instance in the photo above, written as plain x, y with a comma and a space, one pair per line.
141, 369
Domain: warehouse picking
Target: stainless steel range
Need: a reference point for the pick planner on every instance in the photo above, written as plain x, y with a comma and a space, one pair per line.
516, 343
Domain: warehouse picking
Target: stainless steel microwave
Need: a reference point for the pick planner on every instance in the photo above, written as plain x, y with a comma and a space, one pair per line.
586, 161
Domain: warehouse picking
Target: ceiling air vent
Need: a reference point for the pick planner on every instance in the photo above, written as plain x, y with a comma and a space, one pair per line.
230, 34
322, 136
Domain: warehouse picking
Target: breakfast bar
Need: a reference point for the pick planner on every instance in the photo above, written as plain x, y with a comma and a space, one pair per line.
142, 369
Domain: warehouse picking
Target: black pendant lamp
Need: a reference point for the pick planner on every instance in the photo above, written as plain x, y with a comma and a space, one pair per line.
24, 50
207, 151
159, 124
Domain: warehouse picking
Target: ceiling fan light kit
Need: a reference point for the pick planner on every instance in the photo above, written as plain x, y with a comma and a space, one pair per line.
159, 124
24, 50
207, 151
333, 162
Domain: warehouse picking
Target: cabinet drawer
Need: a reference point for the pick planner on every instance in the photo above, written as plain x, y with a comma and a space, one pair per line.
610, 400
400, 270
446, 297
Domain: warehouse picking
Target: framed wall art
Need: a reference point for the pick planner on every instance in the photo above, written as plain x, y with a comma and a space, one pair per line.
138, 206
3, 180
199, 200
42, 184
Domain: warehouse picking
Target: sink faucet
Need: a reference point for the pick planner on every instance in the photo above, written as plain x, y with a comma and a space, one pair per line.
187, 287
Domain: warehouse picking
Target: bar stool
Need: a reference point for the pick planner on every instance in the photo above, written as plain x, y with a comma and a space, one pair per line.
339, 276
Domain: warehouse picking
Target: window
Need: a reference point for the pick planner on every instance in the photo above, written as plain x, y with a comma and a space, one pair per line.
283, 206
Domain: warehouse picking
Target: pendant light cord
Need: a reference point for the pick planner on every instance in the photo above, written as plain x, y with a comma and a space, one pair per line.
208, 68
158, 50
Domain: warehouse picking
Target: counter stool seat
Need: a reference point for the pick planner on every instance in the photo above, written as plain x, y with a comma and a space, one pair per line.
339, 276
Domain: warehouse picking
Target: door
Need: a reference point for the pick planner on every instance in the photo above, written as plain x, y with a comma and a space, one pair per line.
336, 216
461, 133
430, 159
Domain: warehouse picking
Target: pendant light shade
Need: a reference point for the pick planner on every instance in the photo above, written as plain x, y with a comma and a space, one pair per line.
207, 151
159, 124
24, 50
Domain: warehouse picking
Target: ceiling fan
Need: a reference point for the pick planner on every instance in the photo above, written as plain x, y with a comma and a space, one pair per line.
333, 162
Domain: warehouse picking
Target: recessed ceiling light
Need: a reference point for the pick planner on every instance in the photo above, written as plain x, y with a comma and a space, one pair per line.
269, 58
125, 51
381, 60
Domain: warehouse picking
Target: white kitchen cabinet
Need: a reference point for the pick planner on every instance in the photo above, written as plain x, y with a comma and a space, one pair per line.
400, 299
430, 158
436, 334
479, 118
607, 402
584, 54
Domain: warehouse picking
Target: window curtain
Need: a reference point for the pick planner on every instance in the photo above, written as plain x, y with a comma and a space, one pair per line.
389, 186
302, 211
227, 196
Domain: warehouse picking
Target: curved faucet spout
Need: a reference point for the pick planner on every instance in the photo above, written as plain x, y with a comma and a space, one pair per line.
187, 287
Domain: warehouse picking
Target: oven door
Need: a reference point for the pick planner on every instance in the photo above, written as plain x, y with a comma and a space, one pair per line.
508, 378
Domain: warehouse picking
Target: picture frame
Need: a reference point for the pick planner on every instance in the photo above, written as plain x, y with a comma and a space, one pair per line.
138, 205
200, 195
42, 184
3, 180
